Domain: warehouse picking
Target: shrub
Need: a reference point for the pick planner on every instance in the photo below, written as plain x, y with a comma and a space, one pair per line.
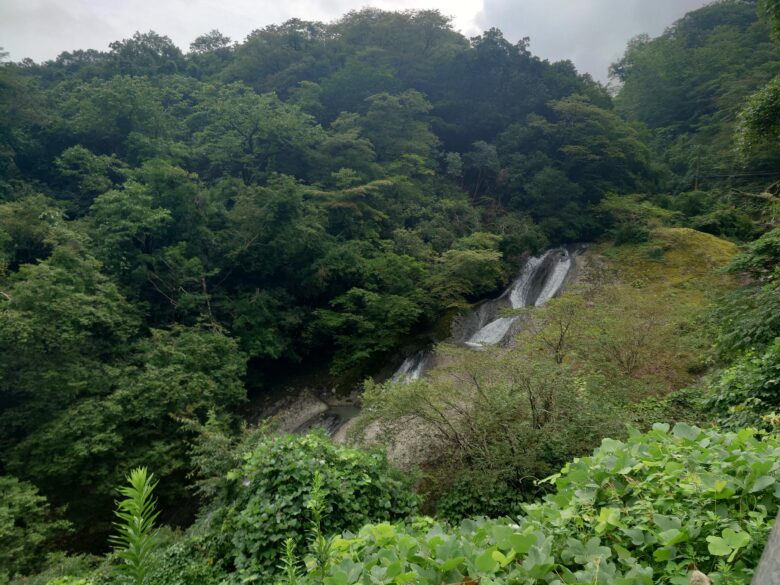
26, 527
500, 420
747, 393
630, 233
266, 500
187, 562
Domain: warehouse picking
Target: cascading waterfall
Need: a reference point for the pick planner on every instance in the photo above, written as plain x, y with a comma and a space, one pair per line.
548, 271
414, 366
541, 278
518, 294
554, 283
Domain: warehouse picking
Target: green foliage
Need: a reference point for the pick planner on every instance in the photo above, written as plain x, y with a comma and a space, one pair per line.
770, 10
60, 567
491, 423
688, 83
761, 258
745, 389
747, 392
365, 323
633, 218
187, 561
136, 534
264, 502
747, 319
759, 120
466, 274
640, 511
28, 529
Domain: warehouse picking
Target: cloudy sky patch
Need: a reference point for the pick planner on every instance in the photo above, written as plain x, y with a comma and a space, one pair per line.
592, 33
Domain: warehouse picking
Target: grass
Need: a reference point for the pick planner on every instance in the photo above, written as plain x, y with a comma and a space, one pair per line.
678, 265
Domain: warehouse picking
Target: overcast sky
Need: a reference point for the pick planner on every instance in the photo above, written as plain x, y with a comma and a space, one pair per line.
592, 33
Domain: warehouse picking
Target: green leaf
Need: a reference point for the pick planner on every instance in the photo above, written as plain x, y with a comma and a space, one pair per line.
736, 539
607, 517
451, 564
339, 578
672, 537
522, 543
503, 559
502, 535
485, 562
538, 563
718, 547
762, 483
686, 431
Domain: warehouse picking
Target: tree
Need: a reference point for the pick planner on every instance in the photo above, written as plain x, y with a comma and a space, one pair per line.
146, 54
482, 161
28, 527
759, 120
365, 324
398, 125
558, 324
211, 42
460, 275
770, 10
240, 133
122, 116
128, 230
88, 175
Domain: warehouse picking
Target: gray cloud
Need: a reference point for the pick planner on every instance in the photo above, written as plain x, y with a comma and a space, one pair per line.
592, 33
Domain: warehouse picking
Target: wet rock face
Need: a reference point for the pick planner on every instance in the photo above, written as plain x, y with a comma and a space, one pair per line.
331, 419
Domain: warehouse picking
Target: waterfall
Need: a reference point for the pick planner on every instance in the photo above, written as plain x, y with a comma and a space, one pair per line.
555, 281
414, 366
541, 279
548, 271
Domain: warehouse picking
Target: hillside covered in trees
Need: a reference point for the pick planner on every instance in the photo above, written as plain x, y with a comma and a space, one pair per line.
179, 231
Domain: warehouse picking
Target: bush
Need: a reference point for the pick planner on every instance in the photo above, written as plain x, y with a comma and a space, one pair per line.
60, 569
747, 393
265, 501
26, 527
492, 423
636, 512
630, 233
187, 562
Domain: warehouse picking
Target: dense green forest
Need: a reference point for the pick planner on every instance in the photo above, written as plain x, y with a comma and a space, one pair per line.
178, 231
